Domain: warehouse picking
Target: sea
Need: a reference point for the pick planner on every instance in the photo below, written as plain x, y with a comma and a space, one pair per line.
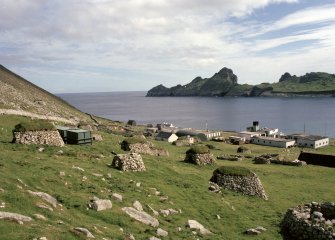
312, 115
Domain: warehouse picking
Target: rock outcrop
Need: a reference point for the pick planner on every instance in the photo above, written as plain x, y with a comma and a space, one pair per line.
129, 162
193, 224
312, 221
51, 137
46, 197
100, 204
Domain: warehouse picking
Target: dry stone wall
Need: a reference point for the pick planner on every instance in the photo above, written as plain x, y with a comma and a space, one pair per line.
247, 185
312, 221
129, 162
200, 159
51, 137
144, 148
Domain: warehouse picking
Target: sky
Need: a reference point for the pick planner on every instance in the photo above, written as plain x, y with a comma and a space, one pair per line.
134, 45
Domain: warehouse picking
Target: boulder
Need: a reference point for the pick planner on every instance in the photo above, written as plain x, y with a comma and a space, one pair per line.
141, 216
14, 217
84, 231
100, 204
138, 206
161, 233
117, 197
46, 197
129, 162
193, 224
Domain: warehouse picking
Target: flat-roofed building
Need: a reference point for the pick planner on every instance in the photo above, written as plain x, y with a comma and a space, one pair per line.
248, 135
309, 141
273, 142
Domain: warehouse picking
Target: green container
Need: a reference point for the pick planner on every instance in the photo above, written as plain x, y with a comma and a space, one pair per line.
79, 136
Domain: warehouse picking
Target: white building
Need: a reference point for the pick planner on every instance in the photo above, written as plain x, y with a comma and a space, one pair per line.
273, 142
248, 135
309, 141
166, 136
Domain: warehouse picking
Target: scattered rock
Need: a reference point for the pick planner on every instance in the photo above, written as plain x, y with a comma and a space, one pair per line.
40, 149
141, 216
43, 206
129, 237
165, 213
138, 206
14, 217
100, 204
40, 217
154, 238
84, 231
62, 174
2, 205
129, 162
193, 224
153, 210
60, 152
252, 231
161, 233
97, 137
46, 197
78, 168
138, 184
2, 190
117, 197
260, 229
218, 217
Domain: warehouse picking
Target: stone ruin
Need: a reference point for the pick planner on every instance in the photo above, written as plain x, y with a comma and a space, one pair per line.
232, 157
312, 221
129, 162
246, 185
49, 137
146, 148
277, 159
200, 158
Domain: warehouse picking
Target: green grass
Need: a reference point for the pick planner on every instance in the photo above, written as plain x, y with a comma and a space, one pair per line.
185, 185
33, 125
134, 140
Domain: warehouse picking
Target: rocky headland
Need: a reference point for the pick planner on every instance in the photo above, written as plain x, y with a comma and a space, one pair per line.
225, 83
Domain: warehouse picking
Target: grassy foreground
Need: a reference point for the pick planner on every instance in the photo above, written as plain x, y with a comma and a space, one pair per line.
24, 168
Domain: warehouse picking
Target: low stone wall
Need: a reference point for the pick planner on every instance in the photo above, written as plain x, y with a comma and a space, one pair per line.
312, 221
277, 159
144, 148
247, 185
129, 162
200, 159
51, 137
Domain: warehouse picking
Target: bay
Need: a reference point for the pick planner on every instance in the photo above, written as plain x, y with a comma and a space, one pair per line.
291, 115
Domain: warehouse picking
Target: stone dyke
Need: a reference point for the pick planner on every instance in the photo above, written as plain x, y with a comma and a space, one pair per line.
277, 159
247, 185
50, 137
312, 221
144, 148
200, 158
129, 162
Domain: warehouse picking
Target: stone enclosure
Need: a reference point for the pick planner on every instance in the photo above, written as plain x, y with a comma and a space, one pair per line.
143, 148
129, 162
200, 158
246, 185
50, 137
312, 221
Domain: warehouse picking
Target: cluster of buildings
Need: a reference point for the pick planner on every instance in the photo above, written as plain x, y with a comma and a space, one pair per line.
272, 137
253, 134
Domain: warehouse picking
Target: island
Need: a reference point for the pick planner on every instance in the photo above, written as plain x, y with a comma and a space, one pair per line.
224, 84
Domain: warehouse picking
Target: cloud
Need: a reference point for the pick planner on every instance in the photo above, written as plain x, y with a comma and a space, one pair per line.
155, 41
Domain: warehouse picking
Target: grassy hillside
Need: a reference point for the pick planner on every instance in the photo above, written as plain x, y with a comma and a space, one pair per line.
24, 168
24, 97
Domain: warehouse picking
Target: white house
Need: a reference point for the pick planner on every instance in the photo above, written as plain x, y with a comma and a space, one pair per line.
273, 142
309, 141
248, 135
166, 136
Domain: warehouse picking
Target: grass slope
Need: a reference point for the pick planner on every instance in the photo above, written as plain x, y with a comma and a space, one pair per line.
23, 167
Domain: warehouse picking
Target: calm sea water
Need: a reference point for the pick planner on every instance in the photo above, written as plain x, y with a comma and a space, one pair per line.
290, 115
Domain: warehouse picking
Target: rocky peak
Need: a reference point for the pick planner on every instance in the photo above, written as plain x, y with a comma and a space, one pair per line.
285, 77
226, 74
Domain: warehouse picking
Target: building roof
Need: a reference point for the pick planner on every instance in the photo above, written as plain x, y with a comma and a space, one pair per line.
164, 135
250, 133
274, 139
78, 130
307, 136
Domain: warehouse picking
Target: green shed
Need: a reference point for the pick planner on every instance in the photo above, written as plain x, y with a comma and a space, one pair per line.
63, 132
79, 136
